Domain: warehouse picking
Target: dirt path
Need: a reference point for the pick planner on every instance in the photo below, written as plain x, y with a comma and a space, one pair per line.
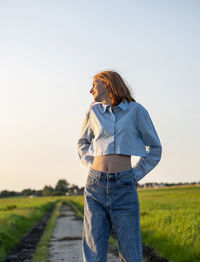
65, 244
27, 246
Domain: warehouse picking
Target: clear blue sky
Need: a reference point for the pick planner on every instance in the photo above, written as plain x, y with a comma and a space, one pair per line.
50, 51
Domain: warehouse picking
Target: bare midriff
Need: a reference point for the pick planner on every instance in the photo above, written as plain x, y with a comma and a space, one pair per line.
112, 163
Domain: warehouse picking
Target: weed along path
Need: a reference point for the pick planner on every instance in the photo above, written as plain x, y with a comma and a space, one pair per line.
66, 240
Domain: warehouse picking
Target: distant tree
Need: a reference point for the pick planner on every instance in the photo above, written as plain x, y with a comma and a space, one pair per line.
28, 192
62, 187
73, 186
47, 190
4, 193
39, 193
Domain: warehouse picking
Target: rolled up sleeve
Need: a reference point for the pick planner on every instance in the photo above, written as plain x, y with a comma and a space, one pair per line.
150, 138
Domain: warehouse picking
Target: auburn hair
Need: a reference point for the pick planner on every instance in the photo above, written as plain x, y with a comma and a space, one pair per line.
117, 89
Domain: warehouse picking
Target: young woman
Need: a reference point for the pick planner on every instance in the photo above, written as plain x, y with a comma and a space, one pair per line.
115, 127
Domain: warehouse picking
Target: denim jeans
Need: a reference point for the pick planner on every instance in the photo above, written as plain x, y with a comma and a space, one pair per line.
111, 200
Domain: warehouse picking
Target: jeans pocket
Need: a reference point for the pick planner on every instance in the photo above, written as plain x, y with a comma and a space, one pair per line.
128, 181
91, 180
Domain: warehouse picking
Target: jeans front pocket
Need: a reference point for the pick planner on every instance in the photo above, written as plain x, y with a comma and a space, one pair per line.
127, 181
91, 180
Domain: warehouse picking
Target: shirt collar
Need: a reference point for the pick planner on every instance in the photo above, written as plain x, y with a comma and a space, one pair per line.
122, 105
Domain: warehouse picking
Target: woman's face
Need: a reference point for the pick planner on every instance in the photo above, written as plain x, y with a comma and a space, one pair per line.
98, 90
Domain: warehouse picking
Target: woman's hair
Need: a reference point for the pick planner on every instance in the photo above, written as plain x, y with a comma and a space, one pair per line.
117, 89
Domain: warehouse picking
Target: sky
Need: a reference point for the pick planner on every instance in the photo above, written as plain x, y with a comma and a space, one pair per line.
49, 52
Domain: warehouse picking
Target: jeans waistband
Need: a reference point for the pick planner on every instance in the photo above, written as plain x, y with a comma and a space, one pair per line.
99, 174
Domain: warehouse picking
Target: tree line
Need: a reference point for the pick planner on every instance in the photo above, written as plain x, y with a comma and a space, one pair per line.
62, 188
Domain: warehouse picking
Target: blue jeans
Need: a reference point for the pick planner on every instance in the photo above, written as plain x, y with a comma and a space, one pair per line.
111, 199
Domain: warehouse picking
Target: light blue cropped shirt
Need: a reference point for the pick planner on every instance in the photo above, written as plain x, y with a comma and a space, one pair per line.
128, 130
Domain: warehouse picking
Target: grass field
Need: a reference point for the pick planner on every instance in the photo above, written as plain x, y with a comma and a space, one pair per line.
17, 217
170, 220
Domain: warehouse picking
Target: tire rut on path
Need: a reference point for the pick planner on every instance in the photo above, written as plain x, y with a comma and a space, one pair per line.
66, 240
27, 246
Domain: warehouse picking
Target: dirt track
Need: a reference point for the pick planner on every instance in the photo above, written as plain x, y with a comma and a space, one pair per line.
66, 240
65, 244
26, 248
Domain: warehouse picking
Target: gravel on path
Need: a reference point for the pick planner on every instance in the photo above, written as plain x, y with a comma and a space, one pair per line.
66, 240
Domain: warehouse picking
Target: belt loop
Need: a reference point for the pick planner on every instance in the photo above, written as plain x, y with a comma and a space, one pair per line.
116, 175
107, 176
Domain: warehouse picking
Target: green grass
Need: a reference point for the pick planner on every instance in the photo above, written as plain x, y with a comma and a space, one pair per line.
42, 254
170, 221
17, 217
23, 202
77, 203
